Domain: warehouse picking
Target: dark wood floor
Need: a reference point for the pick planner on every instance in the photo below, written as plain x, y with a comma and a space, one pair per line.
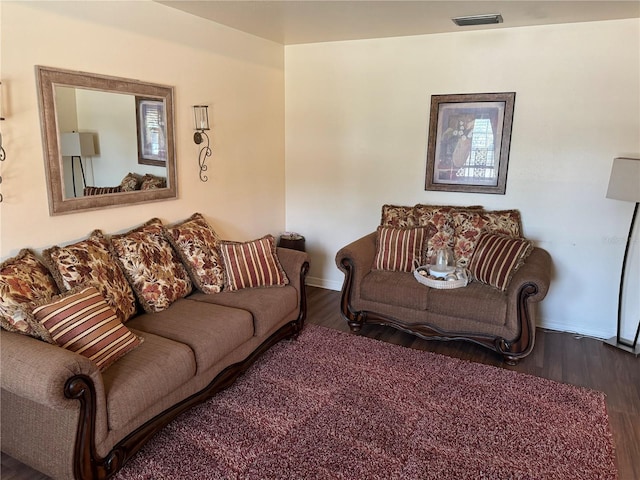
562, 357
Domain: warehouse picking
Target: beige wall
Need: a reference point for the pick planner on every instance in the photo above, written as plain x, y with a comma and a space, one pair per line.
239, 76
356, 134
356, 123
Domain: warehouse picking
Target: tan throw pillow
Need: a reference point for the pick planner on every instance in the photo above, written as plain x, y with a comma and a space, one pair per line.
252, 264
470, 225
151, 266
83, 322
23, 279
399, 249
91, 262
196, 244
497, 257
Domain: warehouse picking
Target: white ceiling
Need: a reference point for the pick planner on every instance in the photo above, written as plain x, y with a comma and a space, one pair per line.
308, 21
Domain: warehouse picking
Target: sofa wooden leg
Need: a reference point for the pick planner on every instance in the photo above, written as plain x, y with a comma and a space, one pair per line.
509, 360
355, 326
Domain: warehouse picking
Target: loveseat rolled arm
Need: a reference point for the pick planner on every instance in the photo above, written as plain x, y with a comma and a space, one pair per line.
355, 261
529, 285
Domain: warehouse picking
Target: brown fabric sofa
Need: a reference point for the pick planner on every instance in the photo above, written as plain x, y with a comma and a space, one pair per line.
64, 417
503, 321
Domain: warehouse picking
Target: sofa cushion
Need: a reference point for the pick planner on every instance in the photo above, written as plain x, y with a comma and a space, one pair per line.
196, 243
497, 257
90, 262
152, 266
476, 302
268, 307
470, 225
211, 331
81, 321
395, 288
147, 374
399, 249
23, 279
252, 264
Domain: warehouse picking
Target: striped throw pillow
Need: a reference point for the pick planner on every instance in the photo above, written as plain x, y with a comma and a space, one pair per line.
399, 249
83, 322
251, 264
497, 257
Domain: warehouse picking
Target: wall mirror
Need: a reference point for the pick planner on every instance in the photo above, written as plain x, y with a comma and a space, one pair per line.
108, 141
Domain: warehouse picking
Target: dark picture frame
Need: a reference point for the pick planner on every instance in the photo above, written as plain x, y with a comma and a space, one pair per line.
150, 125
469, 142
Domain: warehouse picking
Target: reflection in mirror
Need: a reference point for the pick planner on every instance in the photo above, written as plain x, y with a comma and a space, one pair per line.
95, 141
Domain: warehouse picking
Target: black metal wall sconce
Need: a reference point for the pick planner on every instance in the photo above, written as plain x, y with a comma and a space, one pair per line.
201, 117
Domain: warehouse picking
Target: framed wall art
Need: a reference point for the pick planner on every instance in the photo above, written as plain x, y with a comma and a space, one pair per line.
469, 140
151, 121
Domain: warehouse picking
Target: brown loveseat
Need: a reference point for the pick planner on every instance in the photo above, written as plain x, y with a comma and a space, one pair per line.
66, 418
502, 319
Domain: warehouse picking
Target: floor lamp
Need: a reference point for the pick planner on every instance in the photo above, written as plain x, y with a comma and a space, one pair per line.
624, 184
77, 145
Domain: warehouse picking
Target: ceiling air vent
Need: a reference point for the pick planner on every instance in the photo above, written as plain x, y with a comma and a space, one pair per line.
477, 20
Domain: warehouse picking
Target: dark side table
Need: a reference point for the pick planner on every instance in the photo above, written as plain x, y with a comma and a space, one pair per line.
292, 241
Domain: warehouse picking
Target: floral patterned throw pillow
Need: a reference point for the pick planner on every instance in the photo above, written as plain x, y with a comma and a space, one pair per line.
470, 225
397, 216
131, 182
151, 182
91, 262
23, 279
152, 266
440, 217
196, 243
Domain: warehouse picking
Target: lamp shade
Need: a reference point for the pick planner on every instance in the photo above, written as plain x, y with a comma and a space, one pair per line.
624, 183
201, 117
76, 144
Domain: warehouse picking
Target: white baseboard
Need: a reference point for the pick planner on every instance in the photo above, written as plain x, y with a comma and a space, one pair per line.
586, 332
324, 283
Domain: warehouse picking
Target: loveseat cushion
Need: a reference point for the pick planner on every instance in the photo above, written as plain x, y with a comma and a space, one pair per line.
268, 306
476, 302
211, 331
144, 376
395, 288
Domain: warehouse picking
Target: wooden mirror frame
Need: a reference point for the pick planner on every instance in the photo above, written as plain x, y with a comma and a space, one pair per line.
47, 78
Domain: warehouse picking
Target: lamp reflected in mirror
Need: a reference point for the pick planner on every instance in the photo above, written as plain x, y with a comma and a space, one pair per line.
77, 145
201, 117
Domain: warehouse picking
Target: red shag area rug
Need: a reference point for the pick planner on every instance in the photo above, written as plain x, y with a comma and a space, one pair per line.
332, 405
